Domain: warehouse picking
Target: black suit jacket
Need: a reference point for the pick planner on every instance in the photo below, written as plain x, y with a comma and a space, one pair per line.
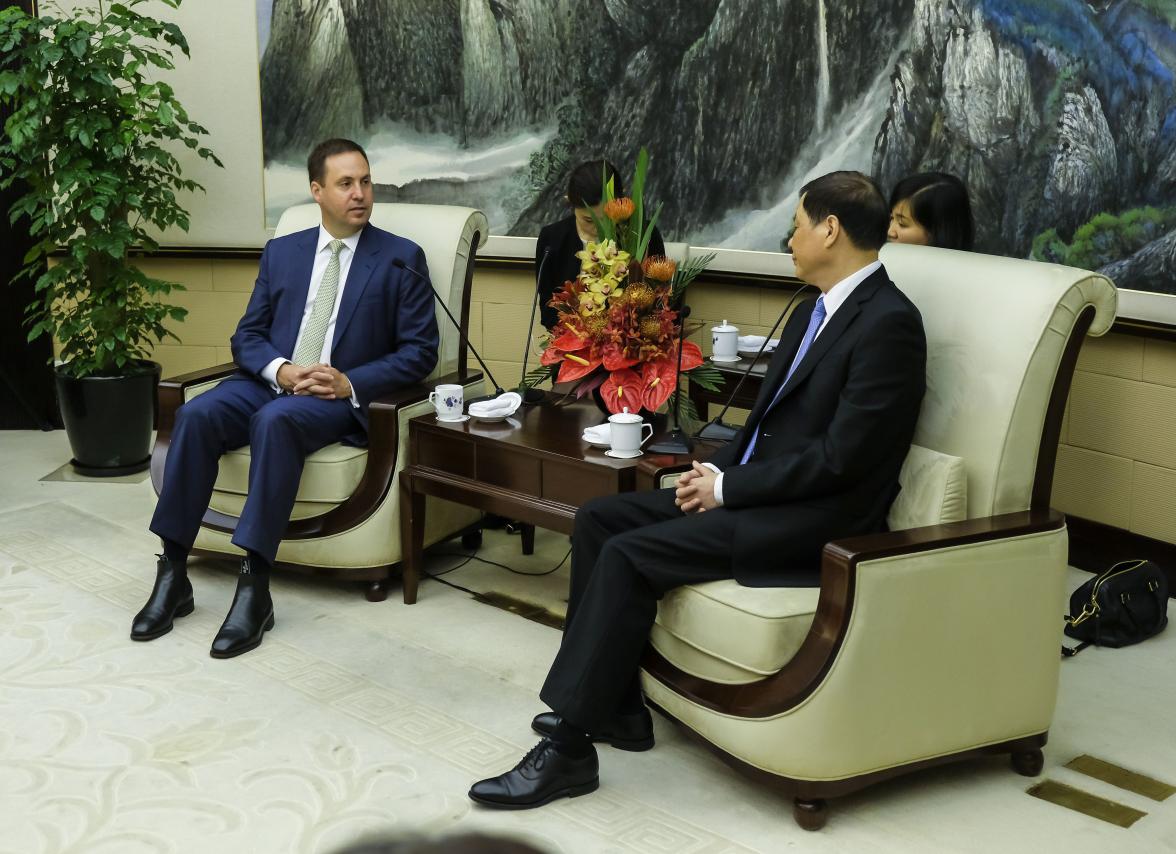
827, 462
561, 241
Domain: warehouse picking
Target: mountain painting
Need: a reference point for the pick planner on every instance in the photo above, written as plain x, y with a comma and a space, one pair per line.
1060, 115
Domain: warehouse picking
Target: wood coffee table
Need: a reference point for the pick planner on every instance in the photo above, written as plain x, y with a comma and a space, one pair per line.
533, 467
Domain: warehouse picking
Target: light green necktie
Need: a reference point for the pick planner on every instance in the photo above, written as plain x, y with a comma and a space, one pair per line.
310, 345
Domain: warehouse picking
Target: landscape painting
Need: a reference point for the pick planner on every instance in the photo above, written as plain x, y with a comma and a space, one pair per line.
1060, 115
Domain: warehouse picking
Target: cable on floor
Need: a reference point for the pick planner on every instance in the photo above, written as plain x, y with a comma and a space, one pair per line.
436, 576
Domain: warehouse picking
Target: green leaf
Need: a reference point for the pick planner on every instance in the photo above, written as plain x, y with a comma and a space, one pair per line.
98, 212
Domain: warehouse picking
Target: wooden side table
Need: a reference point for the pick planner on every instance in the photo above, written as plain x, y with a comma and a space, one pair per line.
533, 467
731, 374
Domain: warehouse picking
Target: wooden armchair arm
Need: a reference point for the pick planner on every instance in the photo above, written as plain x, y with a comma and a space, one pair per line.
839, 566
653, 467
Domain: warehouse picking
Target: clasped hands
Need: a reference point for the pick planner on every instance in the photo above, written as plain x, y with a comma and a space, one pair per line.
696, 489
321, 381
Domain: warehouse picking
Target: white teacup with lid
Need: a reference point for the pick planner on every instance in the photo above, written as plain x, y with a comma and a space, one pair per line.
627, 434
725, 343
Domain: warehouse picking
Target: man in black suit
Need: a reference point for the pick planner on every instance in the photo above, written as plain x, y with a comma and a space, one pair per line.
818, 460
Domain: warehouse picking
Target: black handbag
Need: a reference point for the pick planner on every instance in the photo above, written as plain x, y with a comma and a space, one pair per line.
1123, 605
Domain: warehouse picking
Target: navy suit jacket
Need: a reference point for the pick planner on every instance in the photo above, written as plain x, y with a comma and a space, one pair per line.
386, 332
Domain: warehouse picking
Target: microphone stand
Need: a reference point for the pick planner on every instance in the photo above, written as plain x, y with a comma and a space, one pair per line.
530, 394
463, 338
676, 441
716, 429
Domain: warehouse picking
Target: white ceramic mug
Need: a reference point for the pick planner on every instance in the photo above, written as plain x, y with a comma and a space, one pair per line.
725, 343
627, 433
448, 401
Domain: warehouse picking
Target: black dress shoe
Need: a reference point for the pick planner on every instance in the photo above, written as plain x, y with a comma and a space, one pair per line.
250, 616
170, 598
544, 775
624, 732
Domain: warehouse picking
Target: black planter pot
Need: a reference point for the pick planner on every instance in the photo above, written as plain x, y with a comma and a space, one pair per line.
109, 420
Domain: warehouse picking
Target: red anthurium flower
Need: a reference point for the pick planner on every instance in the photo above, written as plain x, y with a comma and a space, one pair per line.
570, 341
657, 383
552, 355
622, 389
691, 356
615, 359
574, 367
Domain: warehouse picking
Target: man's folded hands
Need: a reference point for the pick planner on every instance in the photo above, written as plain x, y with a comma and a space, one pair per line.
696, 489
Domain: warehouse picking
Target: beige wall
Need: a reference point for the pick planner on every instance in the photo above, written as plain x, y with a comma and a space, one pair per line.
1117, 459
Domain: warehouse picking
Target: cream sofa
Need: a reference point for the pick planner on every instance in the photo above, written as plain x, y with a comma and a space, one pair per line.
939, 640
345, 519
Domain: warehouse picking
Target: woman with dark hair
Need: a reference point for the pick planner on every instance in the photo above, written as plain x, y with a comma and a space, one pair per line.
931, 209
560, 241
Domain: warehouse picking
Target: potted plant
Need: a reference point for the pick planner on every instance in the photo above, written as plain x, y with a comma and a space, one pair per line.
91, 140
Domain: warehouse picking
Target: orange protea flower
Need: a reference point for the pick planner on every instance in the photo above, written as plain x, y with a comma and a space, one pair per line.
619, 210
651, 327
659, 268
640, 295
594, 325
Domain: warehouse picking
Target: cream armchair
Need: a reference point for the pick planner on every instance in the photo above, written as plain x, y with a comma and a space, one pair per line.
937, 641
344, 521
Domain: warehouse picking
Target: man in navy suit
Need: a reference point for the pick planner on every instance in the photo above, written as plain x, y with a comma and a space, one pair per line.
818, 460
333, 323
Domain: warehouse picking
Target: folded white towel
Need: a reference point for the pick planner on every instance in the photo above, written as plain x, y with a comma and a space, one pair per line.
501, 406
601, 433
754, 342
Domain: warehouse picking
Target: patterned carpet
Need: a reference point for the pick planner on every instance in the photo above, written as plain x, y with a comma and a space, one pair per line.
355, 719
114, 746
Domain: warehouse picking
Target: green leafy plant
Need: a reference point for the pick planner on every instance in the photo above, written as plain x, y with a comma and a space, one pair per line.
91, 137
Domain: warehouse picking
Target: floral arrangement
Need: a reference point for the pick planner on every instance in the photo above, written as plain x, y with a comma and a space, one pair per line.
617, 328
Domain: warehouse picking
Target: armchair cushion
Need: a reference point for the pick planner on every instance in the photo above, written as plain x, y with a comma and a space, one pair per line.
934, 490
728, 633
329, 477
725, 632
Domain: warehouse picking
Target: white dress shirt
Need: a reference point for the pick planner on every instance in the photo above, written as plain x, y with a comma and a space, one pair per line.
322, 257
835, 297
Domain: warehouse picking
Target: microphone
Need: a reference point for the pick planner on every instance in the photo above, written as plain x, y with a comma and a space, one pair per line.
715, 428
532, 395
676, 441
462, 337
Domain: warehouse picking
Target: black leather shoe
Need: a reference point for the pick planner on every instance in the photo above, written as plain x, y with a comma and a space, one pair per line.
250, 616
544, 775
624, 732
170, 598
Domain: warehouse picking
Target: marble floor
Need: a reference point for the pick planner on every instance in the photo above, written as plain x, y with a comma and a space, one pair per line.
355, 718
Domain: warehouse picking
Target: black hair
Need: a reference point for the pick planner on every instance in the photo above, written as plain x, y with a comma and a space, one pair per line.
316, 164
586, 181
939, 202
855, 200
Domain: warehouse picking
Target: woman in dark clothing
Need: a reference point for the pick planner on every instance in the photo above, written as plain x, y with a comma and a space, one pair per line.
561, 240
931, 209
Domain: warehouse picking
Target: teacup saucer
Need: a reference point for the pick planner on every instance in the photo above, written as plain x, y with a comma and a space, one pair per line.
620, 455
725, 361
452, 420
